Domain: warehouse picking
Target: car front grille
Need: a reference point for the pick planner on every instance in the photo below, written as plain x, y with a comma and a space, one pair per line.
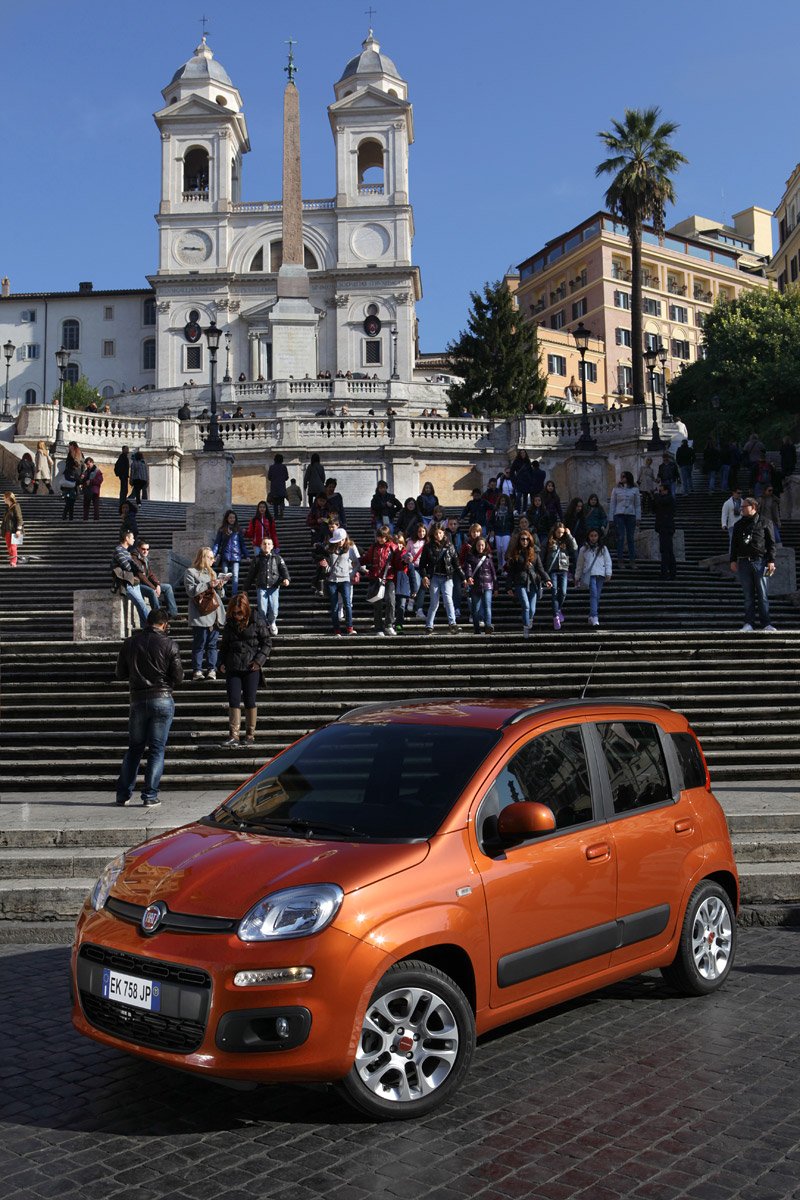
143, 1028
146, 968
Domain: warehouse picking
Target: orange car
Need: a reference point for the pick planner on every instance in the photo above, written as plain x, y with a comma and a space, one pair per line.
405, 879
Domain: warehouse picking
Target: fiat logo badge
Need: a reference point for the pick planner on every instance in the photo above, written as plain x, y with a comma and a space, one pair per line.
152, 917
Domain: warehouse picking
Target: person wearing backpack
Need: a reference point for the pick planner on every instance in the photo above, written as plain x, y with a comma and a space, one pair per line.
592, 570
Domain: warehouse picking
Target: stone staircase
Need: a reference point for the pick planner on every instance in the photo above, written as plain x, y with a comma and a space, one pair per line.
64, 718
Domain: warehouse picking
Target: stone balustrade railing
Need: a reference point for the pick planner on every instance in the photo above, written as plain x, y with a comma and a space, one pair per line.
277, 205
89, 430
237, 434
474, 431
322, 430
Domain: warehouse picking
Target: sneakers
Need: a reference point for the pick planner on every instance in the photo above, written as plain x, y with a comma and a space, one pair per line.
337, 633
197, 675
273, 629
230, 742
429, 629
594, 622
351, 632
454, 629
151, 802
391, 631
379, 633
556, 622
212, 674
122, 802
488, 629
769, 629
746, 628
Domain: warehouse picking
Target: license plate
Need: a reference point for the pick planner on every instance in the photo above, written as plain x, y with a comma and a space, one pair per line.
129, 989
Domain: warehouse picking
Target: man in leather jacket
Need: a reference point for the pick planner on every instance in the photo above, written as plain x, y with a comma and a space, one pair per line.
150, 661
752, 558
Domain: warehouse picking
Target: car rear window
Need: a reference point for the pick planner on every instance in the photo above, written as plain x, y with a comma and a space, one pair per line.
390, 781
690, 759
636, 766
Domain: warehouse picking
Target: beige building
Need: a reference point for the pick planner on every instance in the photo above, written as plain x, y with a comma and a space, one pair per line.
785, 266
585, 275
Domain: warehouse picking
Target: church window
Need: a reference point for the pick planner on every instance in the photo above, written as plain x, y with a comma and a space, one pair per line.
109, 349
195, 174
71, 334
149, 311
309, 261
149, 354
173, 100
372, 310
257, 263
30, 395
370, 167
107, 392
276, 258
392, 92
73, 373
372, 352
192, 358
221, 101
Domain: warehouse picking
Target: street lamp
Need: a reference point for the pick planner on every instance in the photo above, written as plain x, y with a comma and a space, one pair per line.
395, 372
585, 441
226, 378
8, 350
59, 445
653, 355
213, 443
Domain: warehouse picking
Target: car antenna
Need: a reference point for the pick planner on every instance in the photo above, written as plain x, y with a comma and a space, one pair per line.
591, 673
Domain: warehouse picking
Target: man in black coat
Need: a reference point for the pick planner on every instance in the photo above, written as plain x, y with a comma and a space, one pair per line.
151, 662
664, 509
122, 470
753, 560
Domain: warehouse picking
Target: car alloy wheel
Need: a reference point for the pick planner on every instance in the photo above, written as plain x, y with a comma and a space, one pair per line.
712, 938
415, 1045
707, 944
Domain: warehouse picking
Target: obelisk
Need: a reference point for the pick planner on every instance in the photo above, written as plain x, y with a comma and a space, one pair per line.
293, 318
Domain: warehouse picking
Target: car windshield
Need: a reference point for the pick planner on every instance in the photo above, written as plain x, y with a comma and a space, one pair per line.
387, 782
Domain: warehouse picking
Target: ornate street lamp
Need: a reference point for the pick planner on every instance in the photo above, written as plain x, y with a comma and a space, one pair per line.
651, 357
585, 441
213, 443
59, 445
226, 378
395, 372
8, 350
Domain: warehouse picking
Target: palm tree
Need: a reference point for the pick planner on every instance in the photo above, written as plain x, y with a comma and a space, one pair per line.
642, 162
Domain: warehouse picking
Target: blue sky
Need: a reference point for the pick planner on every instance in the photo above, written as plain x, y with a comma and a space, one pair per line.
508, 99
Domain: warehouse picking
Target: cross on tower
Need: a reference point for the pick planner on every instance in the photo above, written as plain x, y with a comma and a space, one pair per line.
371, 12
204, 22
290, 68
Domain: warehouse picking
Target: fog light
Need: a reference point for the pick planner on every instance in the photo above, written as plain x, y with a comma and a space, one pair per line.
273, 975
282, 1027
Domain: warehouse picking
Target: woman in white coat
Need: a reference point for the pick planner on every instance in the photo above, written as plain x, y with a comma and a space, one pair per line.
592, 570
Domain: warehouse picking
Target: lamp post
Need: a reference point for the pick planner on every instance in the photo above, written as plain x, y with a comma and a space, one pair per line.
8, 350
59, 445
395, 372
213, 443
651, 357
226, 378
585, 441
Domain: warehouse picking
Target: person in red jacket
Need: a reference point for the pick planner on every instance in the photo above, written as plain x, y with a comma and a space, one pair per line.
261, 526
380, 563
91, 482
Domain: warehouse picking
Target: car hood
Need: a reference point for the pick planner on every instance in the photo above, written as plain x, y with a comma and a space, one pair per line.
223, 873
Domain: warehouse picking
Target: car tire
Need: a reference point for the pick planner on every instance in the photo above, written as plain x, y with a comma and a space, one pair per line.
415, 1046
707, 945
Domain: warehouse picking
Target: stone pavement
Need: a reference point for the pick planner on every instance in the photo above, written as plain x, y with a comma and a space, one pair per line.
632, 1092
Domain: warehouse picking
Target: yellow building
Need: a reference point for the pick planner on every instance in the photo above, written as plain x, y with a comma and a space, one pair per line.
585, 275
785, 266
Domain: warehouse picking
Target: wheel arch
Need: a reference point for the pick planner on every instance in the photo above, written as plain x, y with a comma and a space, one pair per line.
726, 880
454, 961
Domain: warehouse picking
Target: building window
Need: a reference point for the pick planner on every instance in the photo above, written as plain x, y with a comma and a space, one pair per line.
590, 370
149, 354
107, 392
702, 351
192, 358
579, 308
73, 373
624, 337
30, 395
28, 316
373, 352
558, 320
109, 349
108, 312
622, 299
31, 350
70, 334
556, 364
680, 349
679, 313
195, 174
793, 268
652, 308
149, 311
625, 380
782, 282
257, 261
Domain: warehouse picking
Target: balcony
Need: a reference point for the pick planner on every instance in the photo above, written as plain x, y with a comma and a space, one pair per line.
273, 206
650, 281
370, 189
701, 294
623, 273
194, 196
676, 289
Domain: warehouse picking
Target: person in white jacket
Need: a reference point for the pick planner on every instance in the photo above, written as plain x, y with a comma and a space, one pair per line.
731, 511
625, 511
592, 570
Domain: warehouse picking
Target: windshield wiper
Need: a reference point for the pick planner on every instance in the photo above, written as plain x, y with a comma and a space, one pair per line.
298, 823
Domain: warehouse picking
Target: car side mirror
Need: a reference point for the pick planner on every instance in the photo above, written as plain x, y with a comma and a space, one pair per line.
525, 818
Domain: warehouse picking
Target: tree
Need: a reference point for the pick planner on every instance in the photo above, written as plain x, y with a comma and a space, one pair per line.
497, 357
642, 163
749, 377
79, 394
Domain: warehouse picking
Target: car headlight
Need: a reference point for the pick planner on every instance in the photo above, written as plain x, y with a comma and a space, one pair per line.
294, 912
110, 875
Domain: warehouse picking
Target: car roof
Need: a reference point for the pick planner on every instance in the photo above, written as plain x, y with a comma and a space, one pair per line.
496, 712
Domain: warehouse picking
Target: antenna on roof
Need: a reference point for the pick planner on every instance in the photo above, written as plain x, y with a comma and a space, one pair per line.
591, 673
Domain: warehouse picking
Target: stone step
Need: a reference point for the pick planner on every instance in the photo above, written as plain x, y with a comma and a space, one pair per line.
57, 863
766, 846
24, 899
770, 882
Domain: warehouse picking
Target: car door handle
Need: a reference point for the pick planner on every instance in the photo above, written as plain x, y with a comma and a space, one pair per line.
684, 826
599, 851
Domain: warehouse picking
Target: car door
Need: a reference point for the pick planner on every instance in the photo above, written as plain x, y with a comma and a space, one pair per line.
655, 830
551, 900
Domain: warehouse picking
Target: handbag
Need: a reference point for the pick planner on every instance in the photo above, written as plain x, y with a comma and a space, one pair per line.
207, 602
377, 589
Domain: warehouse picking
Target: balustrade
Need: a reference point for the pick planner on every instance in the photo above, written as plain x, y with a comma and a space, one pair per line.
247, 431
349, 429
450, 429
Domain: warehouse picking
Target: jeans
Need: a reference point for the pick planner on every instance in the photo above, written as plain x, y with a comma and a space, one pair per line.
527, 596
754, 585
686, 479
441, 590
165, 600
501, 541
204, 644
521, 501
237, 682
458, 595
625, 525
481, 602
725, 477
383, 611
668, 565
595, 591
268, 600
134, 594
414, 584
712, 481
233, 567
148, 725
559, 592
341, 592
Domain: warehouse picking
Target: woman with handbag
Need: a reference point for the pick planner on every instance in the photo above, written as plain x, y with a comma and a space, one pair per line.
379, 565
244, 649
527, 577
12, 527
481, 577
73, 470
592, 571
556, 559
204, 589
44, 467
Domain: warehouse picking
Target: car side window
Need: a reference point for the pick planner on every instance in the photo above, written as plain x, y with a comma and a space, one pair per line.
636, 766
691, 764
550, 769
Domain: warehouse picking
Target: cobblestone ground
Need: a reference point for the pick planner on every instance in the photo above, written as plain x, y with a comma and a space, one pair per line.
632, 1092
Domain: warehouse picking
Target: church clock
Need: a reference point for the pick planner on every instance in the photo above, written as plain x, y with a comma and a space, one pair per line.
192, 247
